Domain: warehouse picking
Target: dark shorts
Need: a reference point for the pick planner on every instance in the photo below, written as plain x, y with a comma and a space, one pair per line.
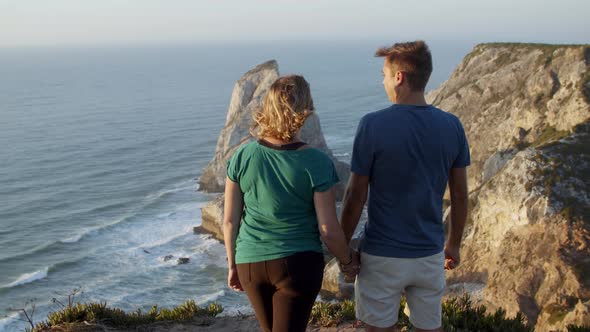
283, 291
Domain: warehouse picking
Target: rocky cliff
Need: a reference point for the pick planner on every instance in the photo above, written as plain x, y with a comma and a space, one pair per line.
526, 112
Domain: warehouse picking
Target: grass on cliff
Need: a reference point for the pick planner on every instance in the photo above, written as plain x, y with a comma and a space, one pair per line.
459, 314
102, 315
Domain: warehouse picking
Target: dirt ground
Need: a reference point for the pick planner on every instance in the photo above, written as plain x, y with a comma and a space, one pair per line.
220, 324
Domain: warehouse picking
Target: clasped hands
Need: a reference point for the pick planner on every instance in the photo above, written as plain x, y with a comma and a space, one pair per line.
351, 269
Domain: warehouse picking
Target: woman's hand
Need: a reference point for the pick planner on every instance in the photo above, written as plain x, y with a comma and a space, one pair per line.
352, 269
233, 281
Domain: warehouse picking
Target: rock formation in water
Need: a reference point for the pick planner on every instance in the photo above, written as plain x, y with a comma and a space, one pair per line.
247, 96
526, 112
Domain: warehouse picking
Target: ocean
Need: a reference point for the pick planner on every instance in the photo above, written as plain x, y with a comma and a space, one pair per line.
101, 147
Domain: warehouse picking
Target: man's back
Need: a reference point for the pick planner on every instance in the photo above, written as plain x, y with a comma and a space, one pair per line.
407, 151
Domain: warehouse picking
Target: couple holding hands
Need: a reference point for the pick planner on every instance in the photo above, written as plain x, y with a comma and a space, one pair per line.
280, 203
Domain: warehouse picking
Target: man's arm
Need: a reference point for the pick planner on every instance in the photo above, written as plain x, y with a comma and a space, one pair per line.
459, 209
355, 198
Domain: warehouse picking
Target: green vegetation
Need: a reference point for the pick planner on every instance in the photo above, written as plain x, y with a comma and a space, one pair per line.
549, 134
504, 59
332, 314
574, 328
568, 160
532, 45
100, 313
556, 313
459, 314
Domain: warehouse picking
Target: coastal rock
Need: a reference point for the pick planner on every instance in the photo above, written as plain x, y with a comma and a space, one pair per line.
247, 96
168, 257
182, 260
333, 284
212, 218
526, 113
510, 96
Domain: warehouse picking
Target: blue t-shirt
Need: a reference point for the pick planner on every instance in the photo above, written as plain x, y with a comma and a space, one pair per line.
407, 151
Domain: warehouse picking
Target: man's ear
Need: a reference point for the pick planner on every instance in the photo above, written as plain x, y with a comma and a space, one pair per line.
399, 77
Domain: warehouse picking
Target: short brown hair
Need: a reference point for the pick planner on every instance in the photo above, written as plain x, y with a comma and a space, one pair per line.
284, 110
413, 58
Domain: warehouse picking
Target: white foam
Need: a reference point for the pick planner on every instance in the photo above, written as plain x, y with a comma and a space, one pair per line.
210, 251
29, 277
5, 322
183, 185
205, 299
73, 239
345, 154
167, 240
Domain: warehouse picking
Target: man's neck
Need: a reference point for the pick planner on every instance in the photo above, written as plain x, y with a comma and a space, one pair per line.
412, 98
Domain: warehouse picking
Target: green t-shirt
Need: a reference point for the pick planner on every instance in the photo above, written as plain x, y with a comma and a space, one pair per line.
279, 217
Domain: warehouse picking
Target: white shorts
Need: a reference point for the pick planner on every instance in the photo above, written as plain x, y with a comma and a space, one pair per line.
382, 280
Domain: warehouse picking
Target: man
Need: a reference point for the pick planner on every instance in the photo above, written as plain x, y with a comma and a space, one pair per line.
405, 155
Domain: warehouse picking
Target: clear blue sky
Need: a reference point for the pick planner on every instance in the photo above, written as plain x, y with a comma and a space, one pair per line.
70, 22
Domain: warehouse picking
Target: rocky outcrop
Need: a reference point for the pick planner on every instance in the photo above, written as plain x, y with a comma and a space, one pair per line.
247, 96
333, 284
212, 218
526, 112
510, 96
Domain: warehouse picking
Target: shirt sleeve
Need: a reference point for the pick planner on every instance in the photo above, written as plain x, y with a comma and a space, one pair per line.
326, 178
362, 150
233, 167
463, 159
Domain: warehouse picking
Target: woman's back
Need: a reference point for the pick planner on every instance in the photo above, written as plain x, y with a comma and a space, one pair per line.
278, 186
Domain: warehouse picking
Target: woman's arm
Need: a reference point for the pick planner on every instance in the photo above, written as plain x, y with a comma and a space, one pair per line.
232, 215
330, 230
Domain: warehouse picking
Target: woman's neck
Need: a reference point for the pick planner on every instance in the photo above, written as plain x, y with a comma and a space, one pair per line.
276, 141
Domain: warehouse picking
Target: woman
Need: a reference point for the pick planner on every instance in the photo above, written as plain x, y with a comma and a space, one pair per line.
281, 190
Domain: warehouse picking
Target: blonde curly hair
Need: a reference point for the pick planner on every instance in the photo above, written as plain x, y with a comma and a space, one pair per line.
284, 110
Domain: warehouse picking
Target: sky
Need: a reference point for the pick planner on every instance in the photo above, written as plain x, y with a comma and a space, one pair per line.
96, 22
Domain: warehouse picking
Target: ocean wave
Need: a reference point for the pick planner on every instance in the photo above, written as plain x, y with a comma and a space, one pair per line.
166, 240
345, 154
204, 299
29, 277
91, 231
74, 238
5, 322
183, 185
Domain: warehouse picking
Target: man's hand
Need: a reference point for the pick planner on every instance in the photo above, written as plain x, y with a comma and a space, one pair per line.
233, 281
452, 257
352, 269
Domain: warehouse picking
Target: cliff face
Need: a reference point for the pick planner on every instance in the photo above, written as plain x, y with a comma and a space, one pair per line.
526, 113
